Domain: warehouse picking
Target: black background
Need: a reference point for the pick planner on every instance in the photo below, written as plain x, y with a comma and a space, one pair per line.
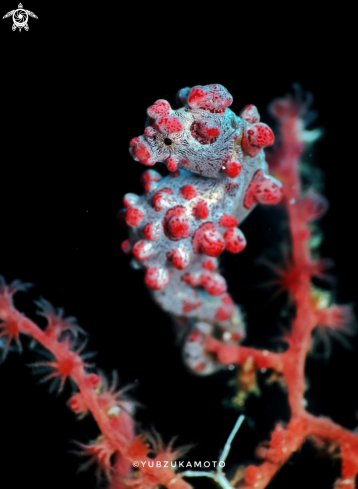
74, 92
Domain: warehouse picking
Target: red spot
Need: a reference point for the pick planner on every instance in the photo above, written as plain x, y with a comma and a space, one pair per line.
160, 198
210, 97
209, 265
142, 250
199, 367
204, 132
168, 124
197, 96
256, 137
234, 240
210, 131
188, 192
171, 164
150, 176
134, 141
179, 257
141, 152
134, 216
150, 186
213, 283
228, 221
160, 107
250, 114
226, 310
190, 305
175, 174
263, 189
194, 336
176, 224
236, 336
233, 169
208, 240
149, 180
151, 231
201, 210
190, 279
156, 278
126, 247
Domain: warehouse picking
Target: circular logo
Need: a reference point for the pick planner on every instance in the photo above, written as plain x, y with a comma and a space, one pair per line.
20, 17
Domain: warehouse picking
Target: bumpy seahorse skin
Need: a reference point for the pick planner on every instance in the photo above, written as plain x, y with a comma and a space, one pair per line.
184, 221
203, 136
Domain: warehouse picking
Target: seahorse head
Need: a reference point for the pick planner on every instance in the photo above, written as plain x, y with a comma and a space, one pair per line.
203, 135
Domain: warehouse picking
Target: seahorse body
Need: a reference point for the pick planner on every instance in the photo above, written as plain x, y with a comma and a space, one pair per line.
185, 220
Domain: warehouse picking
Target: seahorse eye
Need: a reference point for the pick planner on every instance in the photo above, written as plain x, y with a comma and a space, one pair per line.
168, 141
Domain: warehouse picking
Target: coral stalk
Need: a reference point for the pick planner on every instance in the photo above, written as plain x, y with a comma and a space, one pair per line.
311, 308
112, 412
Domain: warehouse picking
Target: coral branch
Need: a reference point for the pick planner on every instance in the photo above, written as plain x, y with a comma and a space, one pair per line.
228, 354
312, 308
110, 410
